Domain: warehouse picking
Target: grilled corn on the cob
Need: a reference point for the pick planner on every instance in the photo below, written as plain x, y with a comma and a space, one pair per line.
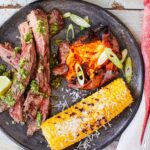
87, 116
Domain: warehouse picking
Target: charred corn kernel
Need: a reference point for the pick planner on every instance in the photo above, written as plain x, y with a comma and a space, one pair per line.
87, 116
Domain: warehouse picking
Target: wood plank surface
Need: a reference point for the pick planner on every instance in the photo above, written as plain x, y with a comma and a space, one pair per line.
125, 4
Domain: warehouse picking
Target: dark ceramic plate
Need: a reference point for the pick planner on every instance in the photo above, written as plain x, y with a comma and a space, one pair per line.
9, 31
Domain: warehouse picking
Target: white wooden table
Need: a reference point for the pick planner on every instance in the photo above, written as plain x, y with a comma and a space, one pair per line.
130, 12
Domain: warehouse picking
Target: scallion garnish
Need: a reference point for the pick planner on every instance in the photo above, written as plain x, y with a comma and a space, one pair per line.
67, 14
79, 21
70, 28
80, 74
113, 58
128, 70
124, 55
102, 58
86, 18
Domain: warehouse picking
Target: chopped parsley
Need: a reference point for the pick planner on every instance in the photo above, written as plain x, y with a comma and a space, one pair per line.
20, 86
17, 50
2, 68
54, 28
28, 37
8, 74
53, 61
35, 89
22, 62
58, 42
41, 27
34, 86
55, 81
8, 99
38, 119
23, 72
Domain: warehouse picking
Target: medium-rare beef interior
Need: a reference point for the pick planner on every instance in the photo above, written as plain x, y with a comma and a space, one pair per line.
7, 53
27, 63
38, 98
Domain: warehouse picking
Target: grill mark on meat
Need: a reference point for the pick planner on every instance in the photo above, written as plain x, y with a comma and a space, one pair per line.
35, 101
7, 54
28, 54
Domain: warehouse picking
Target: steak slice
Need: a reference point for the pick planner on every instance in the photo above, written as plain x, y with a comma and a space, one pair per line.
38, 98
63, 52
27, 64
56, 22
8, 55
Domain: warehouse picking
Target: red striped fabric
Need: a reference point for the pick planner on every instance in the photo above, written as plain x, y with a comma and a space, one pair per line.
146, 55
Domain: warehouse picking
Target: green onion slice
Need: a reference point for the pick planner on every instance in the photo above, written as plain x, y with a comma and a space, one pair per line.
80, 74
38, 119
102, 58
70, 28
79, 21
128, 70
124, 55
67, 15
86, 18
113, 58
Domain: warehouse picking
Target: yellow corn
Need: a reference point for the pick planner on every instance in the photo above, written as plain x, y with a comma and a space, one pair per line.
87, 116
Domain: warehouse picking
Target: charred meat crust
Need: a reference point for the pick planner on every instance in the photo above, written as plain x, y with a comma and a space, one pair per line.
56, 22
29, 57
39, 102
103, 33
60, 70
63, 52
8, 55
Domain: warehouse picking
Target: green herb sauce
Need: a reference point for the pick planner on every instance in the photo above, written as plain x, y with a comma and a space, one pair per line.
58, 42
55, 81
34, 87
28, 37
23, 72
3, 68
53, 61
41, 27
17, 50
8, 74
8, 99
38, 119
22, 62
54, 28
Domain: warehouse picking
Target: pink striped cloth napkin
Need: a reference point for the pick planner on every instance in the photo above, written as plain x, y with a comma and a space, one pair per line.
146, 55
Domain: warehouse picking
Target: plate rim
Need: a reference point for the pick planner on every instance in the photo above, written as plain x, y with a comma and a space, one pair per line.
142, 68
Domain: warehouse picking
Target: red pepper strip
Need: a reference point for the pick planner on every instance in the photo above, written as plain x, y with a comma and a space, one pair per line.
146, 55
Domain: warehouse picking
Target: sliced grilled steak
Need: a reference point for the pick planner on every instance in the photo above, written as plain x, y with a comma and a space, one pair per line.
24, 72
8, 55
60, 70
38, 98
63, 52
56, 22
